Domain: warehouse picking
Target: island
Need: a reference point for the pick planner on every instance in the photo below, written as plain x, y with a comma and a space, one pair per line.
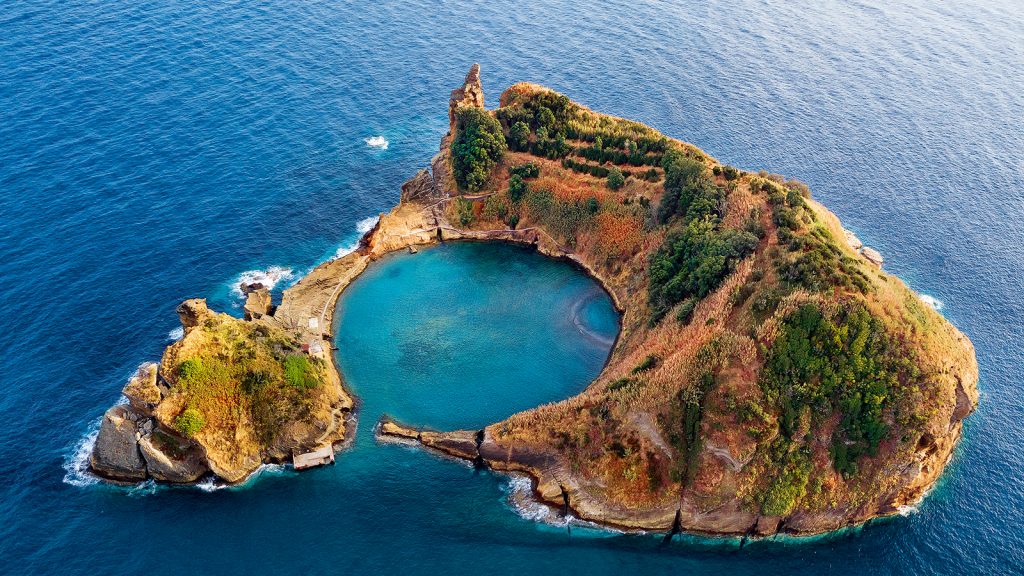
769, 376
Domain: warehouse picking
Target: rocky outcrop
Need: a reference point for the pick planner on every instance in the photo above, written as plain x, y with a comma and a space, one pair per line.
116, 454
193, 312
142, 390
171, 458
872, 255
471, 93
257, 304
419, 187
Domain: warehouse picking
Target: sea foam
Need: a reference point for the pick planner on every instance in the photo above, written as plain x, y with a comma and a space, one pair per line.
932, 301
269, 278
76, 463
377, 142
362, 227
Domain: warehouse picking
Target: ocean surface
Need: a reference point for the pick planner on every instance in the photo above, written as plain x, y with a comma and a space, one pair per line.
155, 151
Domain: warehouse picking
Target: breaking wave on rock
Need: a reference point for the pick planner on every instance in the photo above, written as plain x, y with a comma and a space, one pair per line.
176, 334
932, 301
519, 496
269, 278
362, 227
211, 484
76, 463
378, 142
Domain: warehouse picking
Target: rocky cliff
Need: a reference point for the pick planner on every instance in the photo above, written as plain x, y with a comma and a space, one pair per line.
229, 396
769, 377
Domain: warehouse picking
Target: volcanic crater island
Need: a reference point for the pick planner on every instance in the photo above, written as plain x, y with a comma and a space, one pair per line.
769, 376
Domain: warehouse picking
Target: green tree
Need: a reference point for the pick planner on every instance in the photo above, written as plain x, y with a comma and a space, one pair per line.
615, 179
517, 188
478, 145
546, 118
519, 136
693, 261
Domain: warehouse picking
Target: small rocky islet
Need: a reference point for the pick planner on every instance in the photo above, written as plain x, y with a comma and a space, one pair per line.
769, 375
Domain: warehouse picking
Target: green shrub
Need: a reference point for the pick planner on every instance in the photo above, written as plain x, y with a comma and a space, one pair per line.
478, 145
300, 373
495, 207
189, 422
199, 373
525, 170
513, 221
254, 380
517, 188
648, 363
730, 173
190, 370
685, 311
693, 261
519, 137
789, 487
619, 384
615, 179
688, 193
845, 363
464, 211
546, 118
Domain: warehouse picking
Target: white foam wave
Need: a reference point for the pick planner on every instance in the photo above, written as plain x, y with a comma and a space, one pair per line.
907, 510
366, 224
932, 301
362, 227
377, 142
520, 497
176, 334
269, 278
211, 484
76, 463
145, 488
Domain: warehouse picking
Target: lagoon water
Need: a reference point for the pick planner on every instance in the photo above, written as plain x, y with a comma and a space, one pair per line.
151, 152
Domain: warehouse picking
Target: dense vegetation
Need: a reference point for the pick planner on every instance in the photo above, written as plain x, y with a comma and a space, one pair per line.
844, 361
698, 253
693, 261
189, 422
478, 145
816, 262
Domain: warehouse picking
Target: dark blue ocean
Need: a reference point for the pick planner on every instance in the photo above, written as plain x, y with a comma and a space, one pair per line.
155, 151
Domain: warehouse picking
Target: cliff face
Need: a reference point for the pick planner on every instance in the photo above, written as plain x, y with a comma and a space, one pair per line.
769, 376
